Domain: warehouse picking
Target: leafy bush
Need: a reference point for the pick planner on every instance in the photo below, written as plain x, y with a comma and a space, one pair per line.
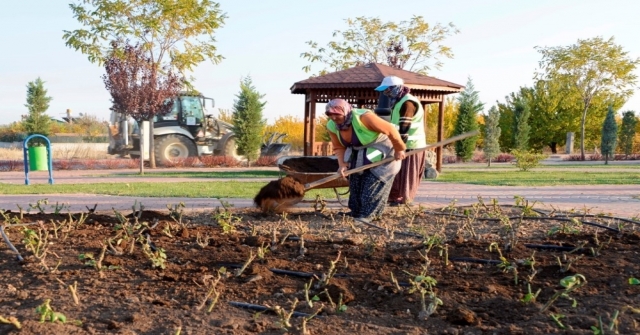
526, 160
503, 158
217, 161
449, 159
11, 165
266, 161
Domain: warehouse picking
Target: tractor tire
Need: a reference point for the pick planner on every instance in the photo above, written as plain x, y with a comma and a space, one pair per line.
173, 146
230, 149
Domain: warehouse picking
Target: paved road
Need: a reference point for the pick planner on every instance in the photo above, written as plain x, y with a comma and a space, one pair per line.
618, 200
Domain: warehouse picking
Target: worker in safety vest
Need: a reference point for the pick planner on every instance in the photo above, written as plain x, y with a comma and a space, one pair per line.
407, 115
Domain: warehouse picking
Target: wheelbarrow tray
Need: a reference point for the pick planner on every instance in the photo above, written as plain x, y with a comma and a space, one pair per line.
306, 177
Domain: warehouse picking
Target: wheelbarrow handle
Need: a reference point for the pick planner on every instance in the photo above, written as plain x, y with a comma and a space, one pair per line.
389, 159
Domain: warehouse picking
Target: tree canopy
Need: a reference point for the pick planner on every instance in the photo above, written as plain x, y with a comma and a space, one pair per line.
628, 132
470, 106
413, 45
248, 122
37, 121
182, 30
492, 134
591, 68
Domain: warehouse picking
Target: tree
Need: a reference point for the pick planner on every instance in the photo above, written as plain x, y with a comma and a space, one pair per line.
609, 136
182, 30
451, 108
37, 121
591, 67
138, 88
628, 132
248, 124
521, 122
408, 45
492, 134
470, 106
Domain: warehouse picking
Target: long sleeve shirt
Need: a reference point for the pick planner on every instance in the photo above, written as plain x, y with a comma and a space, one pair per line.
407, 112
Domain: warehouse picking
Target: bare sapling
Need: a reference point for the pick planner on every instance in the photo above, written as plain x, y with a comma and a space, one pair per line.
246, 264
285, 316
213, 291
12, 320
326, 277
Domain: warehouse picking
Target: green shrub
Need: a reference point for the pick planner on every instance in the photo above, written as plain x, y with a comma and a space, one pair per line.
526, 160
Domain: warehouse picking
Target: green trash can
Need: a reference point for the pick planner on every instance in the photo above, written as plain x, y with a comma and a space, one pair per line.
38, 160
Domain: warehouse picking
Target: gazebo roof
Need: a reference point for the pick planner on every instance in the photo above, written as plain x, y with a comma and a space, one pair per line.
369, 76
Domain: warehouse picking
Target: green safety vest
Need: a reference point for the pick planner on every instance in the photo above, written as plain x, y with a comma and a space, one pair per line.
417, 136
365, 135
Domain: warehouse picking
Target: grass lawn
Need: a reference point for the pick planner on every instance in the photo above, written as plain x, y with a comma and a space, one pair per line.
471, 174
539, 178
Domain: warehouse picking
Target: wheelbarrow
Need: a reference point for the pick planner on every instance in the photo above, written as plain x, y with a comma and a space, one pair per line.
308, 169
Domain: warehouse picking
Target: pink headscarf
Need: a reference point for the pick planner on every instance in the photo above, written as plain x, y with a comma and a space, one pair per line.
340, 107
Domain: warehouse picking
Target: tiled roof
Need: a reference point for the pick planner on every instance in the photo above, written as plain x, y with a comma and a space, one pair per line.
370, 76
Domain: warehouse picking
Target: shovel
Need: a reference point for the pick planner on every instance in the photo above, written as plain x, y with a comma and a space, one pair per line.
337, 175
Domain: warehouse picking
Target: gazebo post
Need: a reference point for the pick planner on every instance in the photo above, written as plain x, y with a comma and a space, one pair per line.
440, 133
307, 107
312, 127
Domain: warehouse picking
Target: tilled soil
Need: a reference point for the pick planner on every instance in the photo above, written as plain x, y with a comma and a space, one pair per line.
346, 265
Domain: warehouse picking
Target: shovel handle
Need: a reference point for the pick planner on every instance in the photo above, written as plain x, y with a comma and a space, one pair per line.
389, 159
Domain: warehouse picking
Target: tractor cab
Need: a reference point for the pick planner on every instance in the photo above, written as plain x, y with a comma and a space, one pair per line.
188, 112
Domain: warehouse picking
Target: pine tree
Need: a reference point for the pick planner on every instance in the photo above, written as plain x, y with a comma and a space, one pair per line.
521, 129
37, 121
628, 132
609, 135
492, 134
469, 108
248, 124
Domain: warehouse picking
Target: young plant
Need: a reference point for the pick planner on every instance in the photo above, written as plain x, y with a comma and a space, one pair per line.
570, 284
634, 281
176, 212
226, 220
338, 308
157, 257
566, 227
556, 318
530, 296
504, 264
325, 278
12, 321
246, 264
203, 242
307, 288
424, 285
40, 205
48, 314
213, 291
600, 328
284, 316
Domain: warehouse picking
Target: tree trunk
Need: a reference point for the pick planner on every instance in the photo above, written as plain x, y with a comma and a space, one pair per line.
489, 162
141, 128
582, 126
606, 159
152, 153
554, 147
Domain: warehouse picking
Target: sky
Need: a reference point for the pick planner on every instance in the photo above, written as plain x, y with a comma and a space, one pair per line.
264, 39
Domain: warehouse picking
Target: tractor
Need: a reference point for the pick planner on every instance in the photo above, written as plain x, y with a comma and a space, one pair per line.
184, 132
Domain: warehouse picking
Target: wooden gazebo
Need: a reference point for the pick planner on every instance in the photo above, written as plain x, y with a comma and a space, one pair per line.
357, 85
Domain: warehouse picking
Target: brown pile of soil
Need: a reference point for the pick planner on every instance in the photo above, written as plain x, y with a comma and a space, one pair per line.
279, 194
311, 164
